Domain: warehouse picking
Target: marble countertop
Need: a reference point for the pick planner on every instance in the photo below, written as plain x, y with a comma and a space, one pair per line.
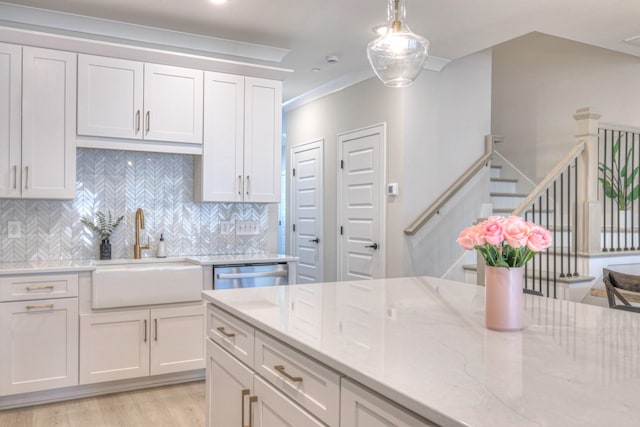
422, 343
52, 266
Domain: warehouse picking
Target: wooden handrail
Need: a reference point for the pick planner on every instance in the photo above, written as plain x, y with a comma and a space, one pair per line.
560, 167
453, 189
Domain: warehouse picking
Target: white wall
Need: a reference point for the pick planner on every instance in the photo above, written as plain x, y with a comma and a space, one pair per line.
538, 83
435, 130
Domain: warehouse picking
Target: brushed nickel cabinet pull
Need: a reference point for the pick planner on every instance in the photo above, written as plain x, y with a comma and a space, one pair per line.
137, 121
225, 333
39, 288
239, 184
155, 324
248, 185
15, 177
280, 368
26, 180
245, 393
252, 400
33, 307
145, 330
148, 121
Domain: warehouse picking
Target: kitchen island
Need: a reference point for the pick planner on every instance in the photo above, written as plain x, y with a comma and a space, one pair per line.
421, 344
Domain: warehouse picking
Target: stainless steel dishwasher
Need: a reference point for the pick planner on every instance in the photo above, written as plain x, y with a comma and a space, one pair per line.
250, 275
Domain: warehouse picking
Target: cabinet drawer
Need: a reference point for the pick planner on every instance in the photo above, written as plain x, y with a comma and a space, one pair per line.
310, 384
232, 334
20, 288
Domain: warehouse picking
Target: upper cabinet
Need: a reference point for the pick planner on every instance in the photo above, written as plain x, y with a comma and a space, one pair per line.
119, 98
37, 152
241, 155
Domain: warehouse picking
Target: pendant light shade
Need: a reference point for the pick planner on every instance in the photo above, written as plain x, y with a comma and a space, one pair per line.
397, 57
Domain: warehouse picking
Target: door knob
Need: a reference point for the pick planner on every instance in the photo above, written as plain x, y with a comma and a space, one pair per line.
374, 246
316, 240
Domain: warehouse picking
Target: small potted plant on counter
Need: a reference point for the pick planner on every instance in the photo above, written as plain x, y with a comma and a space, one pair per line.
104, 226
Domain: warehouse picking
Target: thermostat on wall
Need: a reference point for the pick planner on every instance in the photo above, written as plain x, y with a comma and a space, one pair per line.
392, 189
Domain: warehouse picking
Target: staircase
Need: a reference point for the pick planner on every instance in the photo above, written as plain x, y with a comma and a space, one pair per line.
506, 193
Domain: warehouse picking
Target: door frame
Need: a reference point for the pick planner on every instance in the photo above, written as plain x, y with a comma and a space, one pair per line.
380, 128
292, 236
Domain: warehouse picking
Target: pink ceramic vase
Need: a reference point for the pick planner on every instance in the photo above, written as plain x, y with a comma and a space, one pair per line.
503, 298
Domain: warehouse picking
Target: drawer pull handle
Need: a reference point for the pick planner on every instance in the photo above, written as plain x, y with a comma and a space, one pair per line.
137, 121
145, 330
39, 288
252, 400
148, 121
225, 333
15, 177
33, 307
155, 323
280, 368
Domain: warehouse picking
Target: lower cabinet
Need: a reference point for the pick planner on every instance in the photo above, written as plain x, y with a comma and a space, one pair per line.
361, 408
38, 345
237, 396
136, 343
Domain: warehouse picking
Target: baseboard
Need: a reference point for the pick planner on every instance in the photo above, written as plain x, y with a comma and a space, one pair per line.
90, 390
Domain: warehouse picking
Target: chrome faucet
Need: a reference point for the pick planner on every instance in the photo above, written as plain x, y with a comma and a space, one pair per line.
137, 248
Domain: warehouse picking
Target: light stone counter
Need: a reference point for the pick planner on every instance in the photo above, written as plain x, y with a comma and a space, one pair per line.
422, 343
52, 266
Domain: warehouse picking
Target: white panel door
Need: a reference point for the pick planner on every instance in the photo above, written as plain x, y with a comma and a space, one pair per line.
307, 219
114, 346
219, 171
173, 103
110, 92
48, 124
361, 204
228, 389
10, 119
38, 345
274, 409
262, 140
177, 342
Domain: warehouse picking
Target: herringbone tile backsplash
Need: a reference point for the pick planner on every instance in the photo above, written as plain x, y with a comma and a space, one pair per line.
122, 181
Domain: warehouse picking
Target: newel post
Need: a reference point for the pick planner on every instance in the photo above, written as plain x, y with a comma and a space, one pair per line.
589, 209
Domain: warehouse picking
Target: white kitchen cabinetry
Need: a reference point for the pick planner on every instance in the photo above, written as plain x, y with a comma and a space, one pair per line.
119, 98
241, 155
38, 335
361, 408
136, 343
38, 156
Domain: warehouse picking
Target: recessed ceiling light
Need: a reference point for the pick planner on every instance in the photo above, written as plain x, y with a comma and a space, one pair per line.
218, 2
331, 59
315, 69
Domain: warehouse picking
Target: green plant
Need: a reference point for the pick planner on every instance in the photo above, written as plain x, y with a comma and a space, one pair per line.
104, 225
618, 180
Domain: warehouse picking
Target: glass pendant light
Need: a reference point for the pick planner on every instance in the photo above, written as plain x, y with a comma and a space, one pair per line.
397, 57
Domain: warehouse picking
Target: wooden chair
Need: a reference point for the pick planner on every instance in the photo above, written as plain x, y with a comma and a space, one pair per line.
613, 282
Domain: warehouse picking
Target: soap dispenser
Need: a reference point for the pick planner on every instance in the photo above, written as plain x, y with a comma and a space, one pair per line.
162, 249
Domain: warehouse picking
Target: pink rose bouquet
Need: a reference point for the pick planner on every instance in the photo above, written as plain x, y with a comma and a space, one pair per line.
505, 242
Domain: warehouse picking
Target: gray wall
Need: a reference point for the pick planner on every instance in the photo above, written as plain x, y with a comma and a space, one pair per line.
538, 83
122, 181
435, 131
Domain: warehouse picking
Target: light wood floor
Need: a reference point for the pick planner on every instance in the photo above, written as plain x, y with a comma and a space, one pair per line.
169, 406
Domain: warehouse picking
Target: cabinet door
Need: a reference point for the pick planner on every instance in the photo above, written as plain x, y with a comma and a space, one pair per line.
114, 346
48, 124
219, 173
110, 97
274, 409
38, 345
173, 104
177, 341
10, 119
361, 408
228, 391
262, 140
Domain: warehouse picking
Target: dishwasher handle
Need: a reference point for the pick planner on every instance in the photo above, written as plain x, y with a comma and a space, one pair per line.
274, 273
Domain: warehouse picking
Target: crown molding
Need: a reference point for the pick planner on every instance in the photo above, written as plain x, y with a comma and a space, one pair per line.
90, 27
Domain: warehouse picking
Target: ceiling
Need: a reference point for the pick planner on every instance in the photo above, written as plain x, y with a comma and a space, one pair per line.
313, 29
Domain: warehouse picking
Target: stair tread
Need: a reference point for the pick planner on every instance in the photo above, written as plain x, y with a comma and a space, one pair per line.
567, 279
509, 210
496, 179
508, 194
